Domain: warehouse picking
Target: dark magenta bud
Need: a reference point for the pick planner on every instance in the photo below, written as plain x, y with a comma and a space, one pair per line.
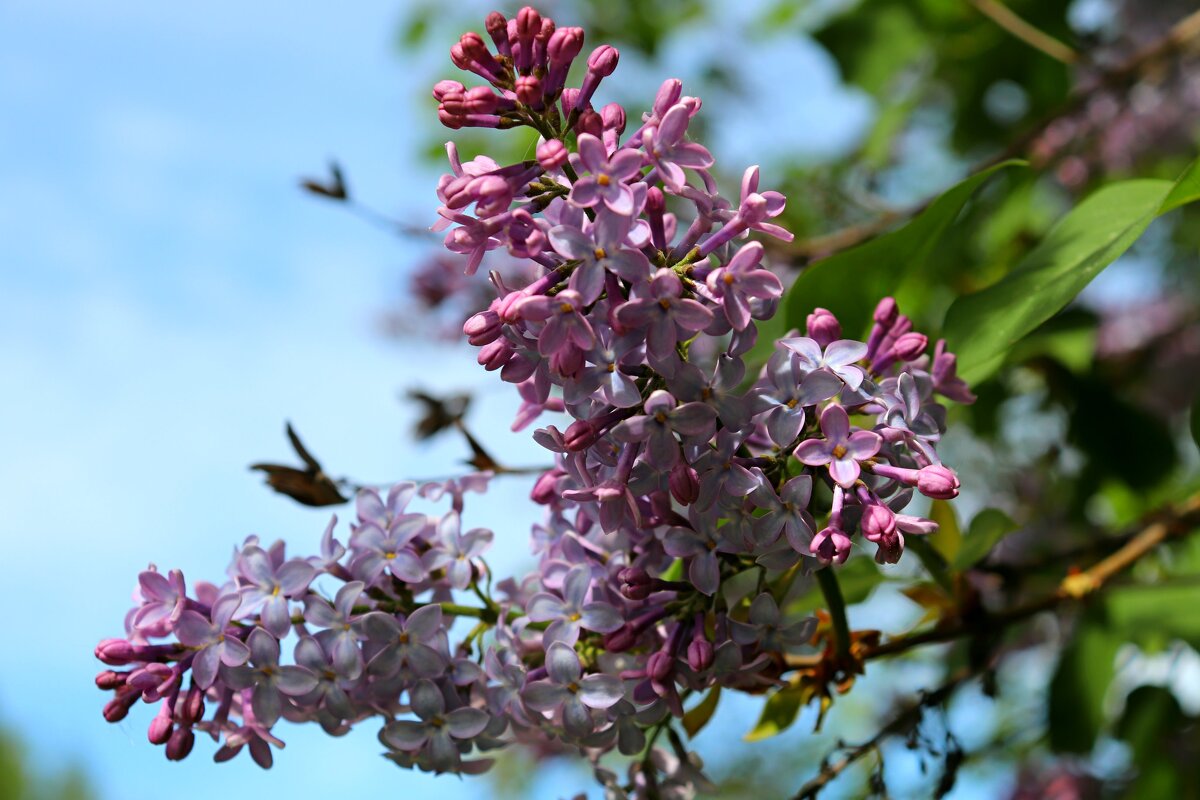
161, 727
621, 639
878, 520
552, 154
660, 666
497, 28
110, 679
545, 488
684, 483
886, 311
564, 45
590, 122
483, 327
700, 654
115, 652
529, 90
443, 88
580, 435
603, 60
613, 116
180, 743
910, 346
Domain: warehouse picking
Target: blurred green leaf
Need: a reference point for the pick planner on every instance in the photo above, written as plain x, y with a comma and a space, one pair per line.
982, 327
1186, 189
852, 282
778, 714
947, 539
1151, 724
1154, 614
987, 528
695, 719
1085, 669
857, 579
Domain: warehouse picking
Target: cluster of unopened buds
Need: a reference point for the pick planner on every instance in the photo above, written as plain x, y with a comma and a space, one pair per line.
676, 472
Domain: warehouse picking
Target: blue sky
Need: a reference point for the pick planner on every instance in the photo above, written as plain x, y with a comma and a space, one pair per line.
168, 298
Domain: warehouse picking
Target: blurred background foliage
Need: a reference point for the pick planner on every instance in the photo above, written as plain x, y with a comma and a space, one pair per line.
1081, 430
20, 780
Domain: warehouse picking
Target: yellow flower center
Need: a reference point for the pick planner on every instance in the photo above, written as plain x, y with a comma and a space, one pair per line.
603, 179
839, 451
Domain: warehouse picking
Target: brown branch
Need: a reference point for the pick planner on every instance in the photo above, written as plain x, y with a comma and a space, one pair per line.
1175, 521
1003, 16
901, 724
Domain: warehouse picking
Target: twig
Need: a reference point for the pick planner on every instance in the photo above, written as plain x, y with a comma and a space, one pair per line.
901, 724
1003, 16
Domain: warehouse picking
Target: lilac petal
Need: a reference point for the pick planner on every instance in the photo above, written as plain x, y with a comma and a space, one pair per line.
346, 597
399, 497
543, 695
592, 153
625, 163
737, 311
425, 661
154, 586
682, 543
193, 629
619, 199
320, 613
691, 315
784, 424
814, 452
863, 444
797, 491
852, 375
338, 703
693, 419
276, 617
204, 666
310, 654
807, 350
845, 471
233, 651
443, 752
426, 700
843, 352
255, 564
585, 192
407, 567
704, 572
601, 691
588, 280
381, 627
571, 242
817, 386
466, 723
577, 720
764, 610
544, 607
674, 124
347, 657
575, 586
264, 648
562, 664
835, 424
369, 506
266, 704
224, 609
295, 576
601, 617
459, 573
405, 735
662, 449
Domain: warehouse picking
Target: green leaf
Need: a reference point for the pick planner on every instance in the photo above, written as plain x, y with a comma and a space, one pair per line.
947, 539
983, 327
778, 714
852, 282
1152, 724
1085, 669
986, 530
698, 717
1155, 614
857, 579
1186, 189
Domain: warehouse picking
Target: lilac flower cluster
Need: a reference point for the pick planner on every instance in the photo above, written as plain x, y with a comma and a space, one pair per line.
676, 476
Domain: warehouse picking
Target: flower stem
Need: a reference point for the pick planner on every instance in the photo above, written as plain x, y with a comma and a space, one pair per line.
837, 610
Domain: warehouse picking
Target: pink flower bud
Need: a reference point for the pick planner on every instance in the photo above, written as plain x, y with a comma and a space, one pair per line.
621, 639
823, 327
684, 484
545, 488
180, 743
482, 328
552, 154
480, 100
590, 122
109, 679
191, 709
497, 28
564, 45
660, 666
937, 482
656, 203
885, 312
443, 88
529, 90
878, 520
603, 60
115, 652
700, 655
117, 709
580, 435
494, 355
668, 95
613, 115
161, 727
910, 346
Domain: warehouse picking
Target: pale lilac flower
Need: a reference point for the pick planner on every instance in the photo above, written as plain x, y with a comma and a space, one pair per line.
329, 689
377, 552
605, 250
741, 280
568, 692
787, 511
781, 406
372, 509
719, 474
568, 614
211, 639
407, 642
666, 315
455, 550
438, 732
841, 450
565, 325
658, 426
667, 151
163, 600
266, 588
341, 635
700, 544
605, 178
838, 357
764, 626
268, 678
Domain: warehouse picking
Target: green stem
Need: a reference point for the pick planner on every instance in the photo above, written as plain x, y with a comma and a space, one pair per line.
837, 610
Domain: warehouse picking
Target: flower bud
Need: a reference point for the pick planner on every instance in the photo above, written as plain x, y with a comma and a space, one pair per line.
656, 203
580, 435
878, 520
191, 710
621, 639
117, 709
937, 482
636, 583
660, 665
700, 655
545, 488
161, 727
910, 346
497, 28
480, 100
115, 652
109, 679
482, 328
552, 154
180, 743
529, 90
668, 95
823, 327
603, 60
494, 355
684, 484
443, 88
529, 23
885, 312
613, 115
564, 45
590, 122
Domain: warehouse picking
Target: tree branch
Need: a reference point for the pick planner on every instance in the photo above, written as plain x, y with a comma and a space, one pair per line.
1043, 42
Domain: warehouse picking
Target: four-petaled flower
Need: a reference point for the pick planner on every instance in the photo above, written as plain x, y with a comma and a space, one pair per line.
569, 692
605, 177
571, 612
438, 732
210, 637
268, 677
841, 450
838, 357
